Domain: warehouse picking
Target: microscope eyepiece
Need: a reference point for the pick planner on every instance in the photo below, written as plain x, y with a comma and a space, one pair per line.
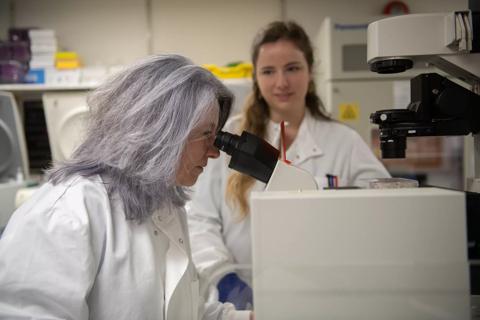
250, 154
226, 142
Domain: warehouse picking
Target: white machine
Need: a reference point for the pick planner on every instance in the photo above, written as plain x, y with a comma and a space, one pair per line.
360, 254
13, 155
439, 106
66, 115
351, 92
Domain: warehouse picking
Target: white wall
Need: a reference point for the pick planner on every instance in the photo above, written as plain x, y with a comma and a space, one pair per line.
208, 31
310, 13
101, 31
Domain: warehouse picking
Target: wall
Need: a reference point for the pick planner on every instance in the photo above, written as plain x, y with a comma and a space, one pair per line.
312, 12
4, 18
210, 31
102, 31
113, 32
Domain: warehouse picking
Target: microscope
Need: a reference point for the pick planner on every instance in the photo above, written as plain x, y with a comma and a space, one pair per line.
439, 106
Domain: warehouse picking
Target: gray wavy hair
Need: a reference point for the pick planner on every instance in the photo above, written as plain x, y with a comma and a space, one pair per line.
140, 121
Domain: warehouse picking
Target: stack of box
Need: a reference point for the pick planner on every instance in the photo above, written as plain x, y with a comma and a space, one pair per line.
14, 57
43, 46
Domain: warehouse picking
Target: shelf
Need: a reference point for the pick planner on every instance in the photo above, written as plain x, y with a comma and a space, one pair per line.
25, 87
44, 87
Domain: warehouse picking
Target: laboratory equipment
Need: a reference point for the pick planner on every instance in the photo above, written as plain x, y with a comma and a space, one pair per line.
13, 156
351, 92
439, 106
345, 84
66, 116
360, 254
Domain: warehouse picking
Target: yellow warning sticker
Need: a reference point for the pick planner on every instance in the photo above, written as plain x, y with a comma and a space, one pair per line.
348, 112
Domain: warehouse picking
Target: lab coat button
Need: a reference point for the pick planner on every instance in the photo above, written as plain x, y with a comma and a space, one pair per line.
155, 232
180, 240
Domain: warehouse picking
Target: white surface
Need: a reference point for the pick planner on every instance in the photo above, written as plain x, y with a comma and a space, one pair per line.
360, 254
211, 31
102, 32
66, 115
411, 35
288, 177
434, 38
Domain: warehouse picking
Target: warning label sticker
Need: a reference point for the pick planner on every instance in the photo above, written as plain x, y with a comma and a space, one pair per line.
348, 112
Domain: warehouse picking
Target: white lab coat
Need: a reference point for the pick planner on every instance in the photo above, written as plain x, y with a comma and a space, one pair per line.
219, 240
69, 253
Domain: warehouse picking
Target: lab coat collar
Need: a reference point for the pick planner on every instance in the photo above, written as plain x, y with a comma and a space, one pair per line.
305, 145
168, 220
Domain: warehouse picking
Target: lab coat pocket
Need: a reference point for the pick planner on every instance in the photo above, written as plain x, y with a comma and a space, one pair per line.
195, 290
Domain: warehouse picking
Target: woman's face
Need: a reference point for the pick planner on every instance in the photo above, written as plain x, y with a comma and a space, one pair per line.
283, 77
198, 149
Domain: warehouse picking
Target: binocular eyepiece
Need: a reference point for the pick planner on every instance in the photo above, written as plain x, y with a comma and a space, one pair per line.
250, 154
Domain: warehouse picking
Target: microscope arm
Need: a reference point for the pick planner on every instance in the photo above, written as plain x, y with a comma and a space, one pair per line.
439, 107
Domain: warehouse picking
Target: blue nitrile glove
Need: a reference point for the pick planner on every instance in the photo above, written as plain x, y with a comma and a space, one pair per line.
232, 289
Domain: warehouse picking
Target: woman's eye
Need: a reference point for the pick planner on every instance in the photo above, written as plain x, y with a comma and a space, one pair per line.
267, 72
208, 135
293, 68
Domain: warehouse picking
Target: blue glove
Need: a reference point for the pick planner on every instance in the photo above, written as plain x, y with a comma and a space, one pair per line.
232, 289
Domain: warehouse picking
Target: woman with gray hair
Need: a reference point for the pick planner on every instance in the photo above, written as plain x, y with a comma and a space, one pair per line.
106, 236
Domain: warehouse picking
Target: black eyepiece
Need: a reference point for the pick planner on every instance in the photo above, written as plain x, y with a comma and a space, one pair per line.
250, 155
226, 142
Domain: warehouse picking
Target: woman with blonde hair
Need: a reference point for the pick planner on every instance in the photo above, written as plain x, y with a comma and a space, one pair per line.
283, 90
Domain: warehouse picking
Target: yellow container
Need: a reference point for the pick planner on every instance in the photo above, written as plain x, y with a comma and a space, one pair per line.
241, 70
67, 60
66, 55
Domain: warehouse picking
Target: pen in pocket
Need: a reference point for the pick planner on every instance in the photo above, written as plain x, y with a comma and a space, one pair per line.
332, 181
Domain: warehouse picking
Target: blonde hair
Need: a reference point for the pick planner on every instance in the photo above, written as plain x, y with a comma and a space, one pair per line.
256, 112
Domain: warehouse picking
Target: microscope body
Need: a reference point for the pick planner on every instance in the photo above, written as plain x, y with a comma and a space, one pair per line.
439, 106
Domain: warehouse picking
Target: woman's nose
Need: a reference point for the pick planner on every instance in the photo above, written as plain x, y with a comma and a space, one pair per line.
213, 152
281, 80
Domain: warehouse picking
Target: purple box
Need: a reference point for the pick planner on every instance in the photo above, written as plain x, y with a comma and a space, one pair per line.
18, 34
12, 71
